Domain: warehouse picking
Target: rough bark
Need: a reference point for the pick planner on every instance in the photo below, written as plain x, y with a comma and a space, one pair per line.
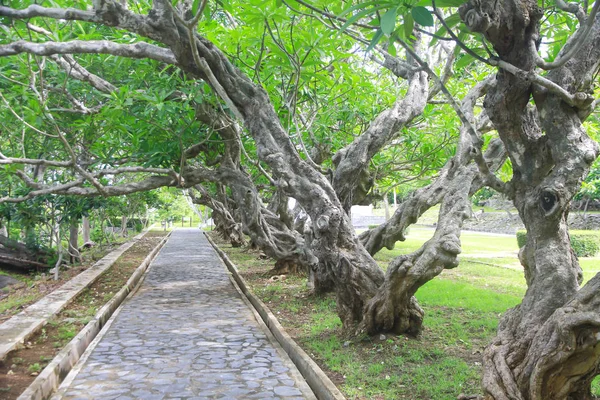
278, 204
123, 226
546, 347
86, 230
74, 255
352, 180
269, 230
334, 245
408, 212
225, 224
394, 308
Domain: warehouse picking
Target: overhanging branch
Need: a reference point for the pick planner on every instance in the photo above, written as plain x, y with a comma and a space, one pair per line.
136, 50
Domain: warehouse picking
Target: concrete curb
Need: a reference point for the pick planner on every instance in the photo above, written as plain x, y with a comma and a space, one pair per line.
15, 331
50, 378
318, 381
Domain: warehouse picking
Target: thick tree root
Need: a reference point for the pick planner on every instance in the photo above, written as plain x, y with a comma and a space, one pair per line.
558, 361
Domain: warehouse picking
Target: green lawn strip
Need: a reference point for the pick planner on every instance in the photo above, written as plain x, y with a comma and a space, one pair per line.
590, 266
35, 285
471, 242
483, 274
462, 308
17, 302
444, 361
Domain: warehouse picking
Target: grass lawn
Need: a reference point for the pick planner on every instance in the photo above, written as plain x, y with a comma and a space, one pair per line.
462, 308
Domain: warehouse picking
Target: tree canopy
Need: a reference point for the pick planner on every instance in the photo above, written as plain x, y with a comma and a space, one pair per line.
247, 104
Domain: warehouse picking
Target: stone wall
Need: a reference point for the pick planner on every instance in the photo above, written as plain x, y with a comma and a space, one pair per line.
503, 222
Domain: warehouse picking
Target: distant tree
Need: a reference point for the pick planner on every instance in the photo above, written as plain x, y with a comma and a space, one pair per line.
150, 124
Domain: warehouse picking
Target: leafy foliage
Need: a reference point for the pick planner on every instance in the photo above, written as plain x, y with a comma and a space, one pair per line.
584, 243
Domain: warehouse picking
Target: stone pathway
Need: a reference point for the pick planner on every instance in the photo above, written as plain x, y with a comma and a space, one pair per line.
186, 334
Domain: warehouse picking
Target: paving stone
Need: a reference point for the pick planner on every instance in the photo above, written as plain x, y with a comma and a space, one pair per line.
185, 334
287, 391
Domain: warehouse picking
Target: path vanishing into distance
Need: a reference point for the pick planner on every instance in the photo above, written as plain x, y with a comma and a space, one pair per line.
185, 334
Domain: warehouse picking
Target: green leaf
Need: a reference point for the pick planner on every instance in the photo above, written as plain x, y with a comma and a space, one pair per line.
195, 6
441, 3
464, 61
375, 40
378, 6
392, 48
422, 16
409, 25
388, 21
358, 16
278, 3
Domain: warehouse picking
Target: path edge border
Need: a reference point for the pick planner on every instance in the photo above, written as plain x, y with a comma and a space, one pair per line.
318, 381
49, 380
95, 272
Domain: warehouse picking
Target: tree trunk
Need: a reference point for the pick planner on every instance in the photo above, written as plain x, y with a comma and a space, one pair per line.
548, 346
124, 226
352, 180
56, 232
269, 230
86, 230
410, 210
386, 204
74, 255
225, 225
394, 308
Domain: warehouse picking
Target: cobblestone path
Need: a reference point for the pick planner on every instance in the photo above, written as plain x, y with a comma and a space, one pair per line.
186, 334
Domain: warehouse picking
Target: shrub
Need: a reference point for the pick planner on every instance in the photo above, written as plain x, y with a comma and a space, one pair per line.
481, 196
584, 243
521, 238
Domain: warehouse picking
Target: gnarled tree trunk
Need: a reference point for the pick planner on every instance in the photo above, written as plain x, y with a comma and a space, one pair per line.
548, 346
352, 180
394, 308
225, 225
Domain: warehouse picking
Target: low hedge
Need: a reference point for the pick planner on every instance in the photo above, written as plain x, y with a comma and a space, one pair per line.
584, 243
521, 238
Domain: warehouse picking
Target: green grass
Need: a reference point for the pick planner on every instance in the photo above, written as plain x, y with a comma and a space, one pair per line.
471, 243
446, 293
590, 267
430, 216
34, 368
15, 302
480, 273
67, 332
462, 309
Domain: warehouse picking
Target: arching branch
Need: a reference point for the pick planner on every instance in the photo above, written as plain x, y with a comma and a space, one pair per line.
136, 50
